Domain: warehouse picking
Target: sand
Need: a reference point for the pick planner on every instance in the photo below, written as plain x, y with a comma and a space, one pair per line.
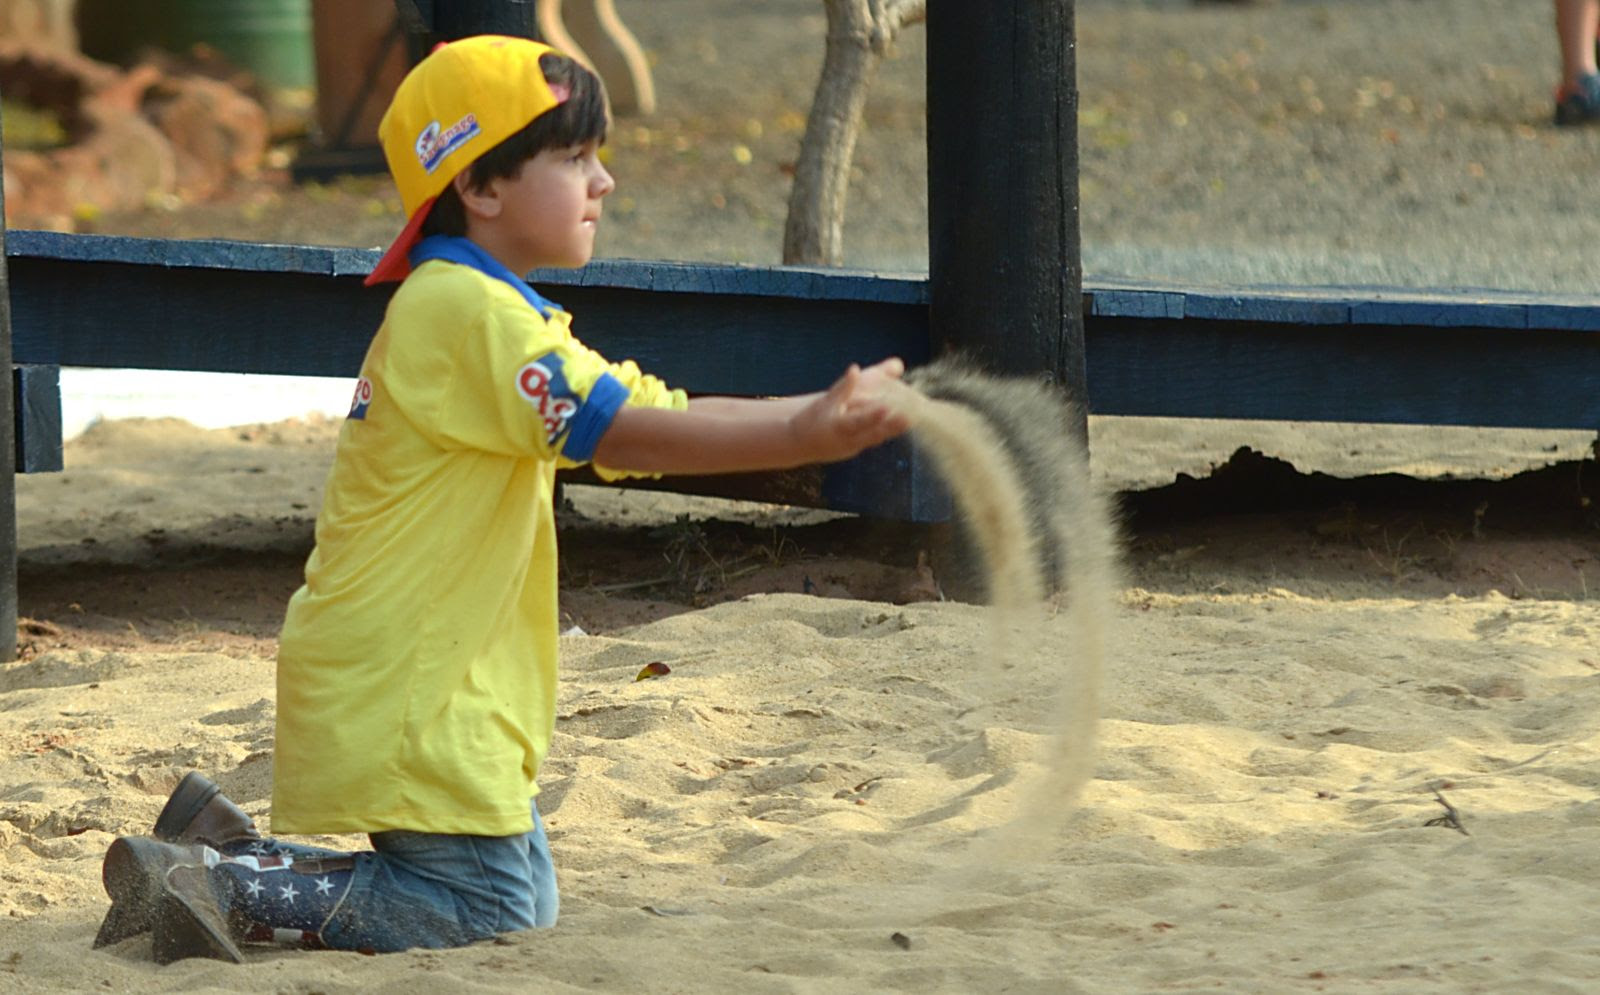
817, 771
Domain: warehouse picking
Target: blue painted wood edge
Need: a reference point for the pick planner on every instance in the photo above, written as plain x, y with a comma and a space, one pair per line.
627, 274
36, 395
190, 253
1413, 308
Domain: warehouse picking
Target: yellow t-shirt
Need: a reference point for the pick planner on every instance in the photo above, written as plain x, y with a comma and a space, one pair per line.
417, 666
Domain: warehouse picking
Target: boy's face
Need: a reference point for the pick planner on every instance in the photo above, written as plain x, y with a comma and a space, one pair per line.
550, 210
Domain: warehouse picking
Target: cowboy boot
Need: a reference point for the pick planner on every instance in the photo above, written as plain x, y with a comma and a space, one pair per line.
136, 875
190, 920
198, 812
258, 899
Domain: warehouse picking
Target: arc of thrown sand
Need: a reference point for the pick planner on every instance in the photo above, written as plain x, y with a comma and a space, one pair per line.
987, 487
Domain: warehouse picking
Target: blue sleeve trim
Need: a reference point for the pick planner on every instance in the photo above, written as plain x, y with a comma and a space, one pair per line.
605, 399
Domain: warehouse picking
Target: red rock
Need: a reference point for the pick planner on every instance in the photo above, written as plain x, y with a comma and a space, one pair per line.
135, 135
217, 132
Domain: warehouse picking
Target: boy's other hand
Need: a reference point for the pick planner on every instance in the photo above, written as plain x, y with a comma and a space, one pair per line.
853, 415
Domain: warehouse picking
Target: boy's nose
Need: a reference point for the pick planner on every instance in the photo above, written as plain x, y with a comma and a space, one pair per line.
602, 182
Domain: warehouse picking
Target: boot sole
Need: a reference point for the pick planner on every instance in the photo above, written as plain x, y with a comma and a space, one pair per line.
132, 875
188, 927
193, 793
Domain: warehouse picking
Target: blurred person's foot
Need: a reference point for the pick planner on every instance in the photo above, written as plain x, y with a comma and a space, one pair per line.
1579, 103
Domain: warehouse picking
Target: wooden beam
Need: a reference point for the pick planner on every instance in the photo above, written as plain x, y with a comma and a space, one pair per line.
1284, 353
1003, 246
37, 418
8, 468
245, 308
237, 307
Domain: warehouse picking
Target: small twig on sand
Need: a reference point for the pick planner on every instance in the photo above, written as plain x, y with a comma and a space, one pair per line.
1450, 819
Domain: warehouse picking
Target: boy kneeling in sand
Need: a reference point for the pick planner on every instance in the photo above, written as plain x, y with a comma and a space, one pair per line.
417, 666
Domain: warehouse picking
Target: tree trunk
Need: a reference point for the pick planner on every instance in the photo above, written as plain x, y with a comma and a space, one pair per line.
814, 231
859, 33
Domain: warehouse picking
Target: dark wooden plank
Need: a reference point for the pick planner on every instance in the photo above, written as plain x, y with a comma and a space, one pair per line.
1115, 303
1405, 307
79, 313
8, 478
1222, 306
1153, 349
1565, 317
149, 317
206, 254
1459, 313
717, 344
743, 281
1005, 271
1360, 373
37, 418
629, 274
893, 481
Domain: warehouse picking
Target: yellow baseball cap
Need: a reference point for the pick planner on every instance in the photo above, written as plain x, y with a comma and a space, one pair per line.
465, 98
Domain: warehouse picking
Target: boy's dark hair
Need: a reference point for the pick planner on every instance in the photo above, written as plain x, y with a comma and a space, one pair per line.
582, 117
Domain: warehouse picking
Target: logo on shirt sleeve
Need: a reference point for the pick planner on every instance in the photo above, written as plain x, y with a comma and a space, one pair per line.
543, 385
362, 400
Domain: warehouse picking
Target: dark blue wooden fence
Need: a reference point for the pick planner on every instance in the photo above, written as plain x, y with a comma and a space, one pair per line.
1323, 354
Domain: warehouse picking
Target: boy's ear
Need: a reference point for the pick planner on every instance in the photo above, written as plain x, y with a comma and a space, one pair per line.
482, 202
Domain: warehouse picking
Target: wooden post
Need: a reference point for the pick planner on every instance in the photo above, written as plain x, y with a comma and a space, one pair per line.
8, 459
1005, 271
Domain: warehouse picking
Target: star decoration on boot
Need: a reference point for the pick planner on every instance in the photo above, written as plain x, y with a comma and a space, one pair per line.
324, 886
254, 887
288, 893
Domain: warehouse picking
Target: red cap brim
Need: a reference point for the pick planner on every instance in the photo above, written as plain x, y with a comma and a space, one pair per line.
396, 264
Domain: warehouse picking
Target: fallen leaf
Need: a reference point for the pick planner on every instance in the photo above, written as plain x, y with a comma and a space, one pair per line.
656, 669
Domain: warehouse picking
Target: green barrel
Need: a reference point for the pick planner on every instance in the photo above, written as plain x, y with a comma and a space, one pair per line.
270, 38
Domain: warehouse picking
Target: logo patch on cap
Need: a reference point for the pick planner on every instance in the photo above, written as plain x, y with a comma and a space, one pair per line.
433, 144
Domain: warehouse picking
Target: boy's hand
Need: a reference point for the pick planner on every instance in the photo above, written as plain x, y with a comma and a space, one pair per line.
854, 414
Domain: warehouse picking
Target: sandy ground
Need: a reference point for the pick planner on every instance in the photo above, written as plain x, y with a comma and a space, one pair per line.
1292, 689
823, 771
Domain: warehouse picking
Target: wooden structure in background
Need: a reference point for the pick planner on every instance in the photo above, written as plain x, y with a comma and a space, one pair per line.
1004, 266
1288, 353
8, 461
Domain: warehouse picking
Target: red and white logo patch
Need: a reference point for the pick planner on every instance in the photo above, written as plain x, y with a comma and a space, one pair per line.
362, 400
546, 389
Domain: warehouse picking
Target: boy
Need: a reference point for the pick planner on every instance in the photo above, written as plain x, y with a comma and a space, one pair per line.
417, 666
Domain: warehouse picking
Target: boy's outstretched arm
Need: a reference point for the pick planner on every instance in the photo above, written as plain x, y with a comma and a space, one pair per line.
729, 435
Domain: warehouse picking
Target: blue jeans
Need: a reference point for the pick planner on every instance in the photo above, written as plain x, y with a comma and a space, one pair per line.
410, 890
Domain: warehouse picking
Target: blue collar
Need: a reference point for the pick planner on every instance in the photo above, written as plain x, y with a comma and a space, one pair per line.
469, 253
